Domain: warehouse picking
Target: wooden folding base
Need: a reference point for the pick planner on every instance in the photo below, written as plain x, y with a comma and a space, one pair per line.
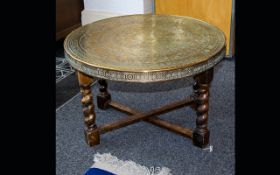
149, 117
198, 101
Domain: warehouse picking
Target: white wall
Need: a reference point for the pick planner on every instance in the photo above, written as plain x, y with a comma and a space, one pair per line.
99, 9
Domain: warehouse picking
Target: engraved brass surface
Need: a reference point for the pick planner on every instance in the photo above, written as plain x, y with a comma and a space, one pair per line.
145, 48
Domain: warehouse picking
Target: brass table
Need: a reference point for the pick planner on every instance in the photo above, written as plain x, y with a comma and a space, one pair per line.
142, 49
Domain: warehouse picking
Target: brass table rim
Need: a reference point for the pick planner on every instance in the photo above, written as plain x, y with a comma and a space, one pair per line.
124, 76
150, 70
86, 66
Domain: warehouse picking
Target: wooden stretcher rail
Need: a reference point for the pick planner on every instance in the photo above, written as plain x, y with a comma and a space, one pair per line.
138, 116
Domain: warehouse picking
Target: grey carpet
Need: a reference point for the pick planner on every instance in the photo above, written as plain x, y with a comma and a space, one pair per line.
147, 144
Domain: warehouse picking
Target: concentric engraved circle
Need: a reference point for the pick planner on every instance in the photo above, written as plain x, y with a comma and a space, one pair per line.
144, 43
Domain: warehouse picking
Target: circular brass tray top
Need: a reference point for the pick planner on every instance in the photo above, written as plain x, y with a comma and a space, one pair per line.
145, 48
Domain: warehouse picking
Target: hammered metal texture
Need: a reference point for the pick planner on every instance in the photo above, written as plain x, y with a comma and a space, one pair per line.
145, 48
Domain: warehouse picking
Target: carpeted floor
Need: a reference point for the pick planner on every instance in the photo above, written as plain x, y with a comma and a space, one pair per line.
66, 79
147, 144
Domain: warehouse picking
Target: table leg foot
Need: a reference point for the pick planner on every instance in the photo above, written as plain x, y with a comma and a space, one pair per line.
92, 137
201, 94
201, 139
103, 98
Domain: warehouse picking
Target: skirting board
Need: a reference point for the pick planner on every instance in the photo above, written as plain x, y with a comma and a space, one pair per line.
89, 16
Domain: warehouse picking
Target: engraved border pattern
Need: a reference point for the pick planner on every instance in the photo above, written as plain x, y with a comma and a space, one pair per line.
144, 77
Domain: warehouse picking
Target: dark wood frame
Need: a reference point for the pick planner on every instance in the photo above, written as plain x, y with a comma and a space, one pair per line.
68, 16
199, 101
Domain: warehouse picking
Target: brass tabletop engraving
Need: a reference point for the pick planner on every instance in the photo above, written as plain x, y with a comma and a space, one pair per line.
145, 48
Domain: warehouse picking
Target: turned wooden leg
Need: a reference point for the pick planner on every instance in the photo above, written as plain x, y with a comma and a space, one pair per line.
91, 133
201, 95
103, 98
